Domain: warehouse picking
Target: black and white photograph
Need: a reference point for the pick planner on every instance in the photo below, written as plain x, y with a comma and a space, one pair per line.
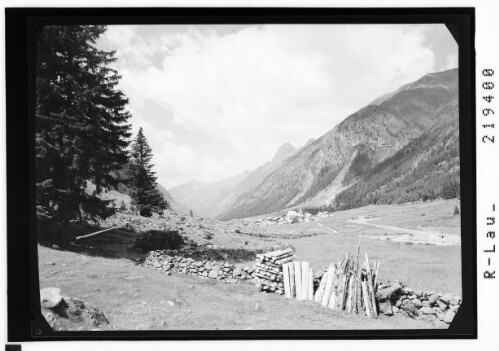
248, 177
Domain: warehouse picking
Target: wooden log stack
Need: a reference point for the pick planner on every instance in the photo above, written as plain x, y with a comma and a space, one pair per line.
348, 286
269, 270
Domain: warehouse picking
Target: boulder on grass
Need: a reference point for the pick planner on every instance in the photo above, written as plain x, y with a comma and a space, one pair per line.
384, 296
51, 297
70, 313
449, 316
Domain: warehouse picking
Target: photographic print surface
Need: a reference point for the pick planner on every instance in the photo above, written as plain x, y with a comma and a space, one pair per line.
248, 177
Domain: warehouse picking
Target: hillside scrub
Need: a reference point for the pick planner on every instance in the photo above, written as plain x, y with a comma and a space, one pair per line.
425, 169
325, 177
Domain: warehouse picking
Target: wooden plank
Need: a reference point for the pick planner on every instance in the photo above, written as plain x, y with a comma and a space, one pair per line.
95, 233
310, 285
285, 270
354, 289
320, 291
304, 280
376, 275
298, 280
329, 285
273, 253
269, 267
373, 300
358, 283
366, 300
292, 288
285, 260
370, 286
350, 295
358, 286
333, 299
263, 270
282, 257
341, 292
283, 253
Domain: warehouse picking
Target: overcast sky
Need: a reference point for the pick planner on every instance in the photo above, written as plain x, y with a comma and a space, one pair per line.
215, 101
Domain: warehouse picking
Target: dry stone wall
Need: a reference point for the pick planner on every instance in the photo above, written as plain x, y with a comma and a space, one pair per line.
434, 307
391, 297
226, 271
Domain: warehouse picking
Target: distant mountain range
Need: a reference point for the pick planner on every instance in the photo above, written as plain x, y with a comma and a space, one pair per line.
213, 199
401, 147
172, 203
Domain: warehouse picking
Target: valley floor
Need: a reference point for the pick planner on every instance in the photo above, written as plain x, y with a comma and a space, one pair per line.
418, 264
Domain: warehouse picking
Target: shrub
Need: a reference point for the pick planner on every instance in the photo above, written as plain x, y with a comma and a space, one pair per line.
450, 188
158, 240
145, 210
233, 255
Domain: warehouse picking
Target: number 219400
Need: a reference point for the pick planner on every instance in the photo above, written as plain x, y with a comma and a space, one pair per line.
487, 111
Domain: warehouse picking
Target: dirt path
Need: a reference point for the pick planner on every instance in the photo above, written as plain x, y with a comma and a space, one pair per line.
414, 236
328, 228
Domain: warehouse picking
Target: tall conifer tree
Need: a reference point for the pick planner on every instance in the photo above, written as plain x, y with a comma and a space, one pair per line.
145, 194
81, 123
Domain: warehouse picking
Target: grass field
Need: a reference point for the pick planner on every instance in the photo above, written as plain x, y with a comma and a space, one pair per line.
134, 297
427, 267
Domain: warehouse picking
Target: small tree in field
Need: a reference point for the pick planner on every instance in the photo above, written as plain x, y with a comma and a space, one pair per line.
145, 194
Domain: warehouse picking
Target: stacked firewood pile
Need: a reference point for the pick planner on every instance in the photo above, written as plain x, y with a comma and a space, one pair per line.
347, 285
350, 286
268, 270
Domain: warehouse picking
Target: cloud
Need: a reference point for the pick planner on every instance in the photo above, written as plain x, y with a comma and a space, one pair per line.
451, 61
253, 89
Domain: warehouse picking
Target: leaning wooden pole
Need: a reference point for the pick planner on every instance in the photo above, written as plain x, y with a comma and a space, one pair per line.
370, 286
285, 271
96, 233
292, 287
367, 302
358, 282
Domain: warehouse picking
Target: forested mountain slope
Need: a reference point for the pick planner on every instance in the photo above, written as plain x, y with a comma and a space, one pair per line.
357, 145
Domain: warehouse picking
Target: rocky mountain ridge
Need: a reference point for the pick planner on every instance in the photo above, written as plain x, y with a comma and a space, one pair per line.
315, 174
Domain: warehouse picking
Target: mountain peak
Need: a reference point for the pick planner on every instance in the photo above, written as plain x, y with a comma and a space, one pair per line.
309, 141
444, 79
284, 151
